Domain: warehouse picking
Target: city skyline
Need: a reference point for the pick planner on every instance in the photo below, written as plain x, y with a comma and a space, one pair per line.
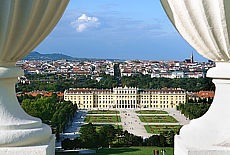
117, 30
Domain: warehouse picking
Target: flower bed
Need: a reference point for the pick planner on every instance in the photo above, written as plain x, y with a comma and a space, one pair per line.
105, 119
158, 119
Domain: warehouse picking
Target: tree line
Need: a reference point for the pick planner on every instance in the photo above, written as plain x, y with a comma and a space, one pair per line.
189, 84
109, 136
50, 111
59, 84
193, 110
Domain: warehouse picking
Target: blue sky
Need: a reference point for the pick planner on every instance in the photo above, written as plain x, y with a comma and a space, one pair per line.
121, 29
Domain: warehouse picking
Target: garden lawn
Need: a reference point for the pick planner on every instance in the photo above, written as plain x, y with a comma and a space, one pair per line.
103, 112
126, 151
158, 119
151, 112
98, 127
133, 151
102, 119
158, 129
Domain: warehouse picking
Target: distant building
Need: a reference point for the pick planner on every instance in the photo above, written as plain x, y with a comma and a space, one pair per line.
127, 97
127, 73
42, 93
178, 74
190, 60
207, 95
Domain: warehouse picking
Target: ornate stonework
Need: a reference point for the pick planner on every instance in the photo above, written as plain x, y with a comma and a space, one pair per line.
23, 25
205, 25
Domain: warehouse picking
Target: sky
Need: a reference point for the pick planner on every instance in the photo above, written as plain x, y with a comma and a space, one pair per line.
117, 29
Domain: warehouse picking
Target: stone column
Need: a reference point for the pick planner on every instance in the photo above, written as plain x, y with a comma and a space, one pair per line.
209, 134
205, 25
23, 25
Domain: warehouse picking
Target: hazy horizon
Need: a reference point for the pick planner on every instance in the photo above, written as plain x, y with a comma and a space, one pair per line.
117, 29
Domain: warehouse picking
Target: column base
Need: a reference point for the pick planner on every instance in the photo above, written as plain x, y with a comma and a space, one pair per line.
47, 148
181, 149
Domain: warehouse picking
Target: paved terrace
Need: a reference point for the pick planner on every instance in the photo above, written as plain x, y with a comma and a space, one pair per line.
132, 123
129, 121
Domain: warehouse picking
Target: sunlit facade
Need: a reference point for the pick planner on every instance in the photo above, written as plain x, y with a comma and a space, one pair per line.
125, 97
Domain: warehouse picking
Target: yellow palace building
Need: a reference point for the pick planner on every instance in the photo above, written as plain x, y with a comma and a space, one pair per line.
125, 97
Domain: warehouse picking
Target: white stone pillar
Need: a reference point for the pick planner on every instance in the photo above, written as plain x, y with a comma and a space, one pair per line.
17, 127
209, 134
23, 25
205, 25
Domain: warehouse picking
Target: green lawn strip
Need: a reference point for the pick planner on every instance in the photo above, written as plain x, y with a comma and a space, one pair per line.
151, 112
103, 112
158, 119
133, 151
126, 151
157, 129
98, 127
105, 119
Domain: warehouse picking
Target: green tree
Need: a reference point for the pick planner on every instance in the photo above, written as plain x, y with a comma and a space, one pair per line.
50, 111
89, 137
106, 135
67, 144
193, 110
154, 140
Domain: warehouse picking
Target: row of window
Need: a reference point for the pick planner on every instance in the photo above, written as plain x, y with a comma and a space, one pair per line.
124, 106
128, 101
111, 97
125, 92
126, 96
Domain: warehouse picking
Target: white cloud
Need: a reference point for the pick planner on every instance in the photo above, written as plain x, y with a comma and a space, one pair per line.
84, 22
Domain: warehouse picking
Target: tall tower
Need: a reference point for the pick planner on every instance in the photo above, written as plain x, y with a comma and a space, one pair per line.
191, 58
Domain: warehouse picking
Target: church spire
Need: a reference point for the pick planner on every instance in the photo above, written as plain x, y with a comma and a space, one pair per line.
191, 58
